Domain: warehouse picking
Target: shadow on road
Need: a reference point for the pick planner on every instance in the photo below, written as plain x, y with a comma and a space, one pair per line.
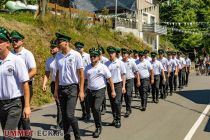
197, 96
43, 126
207, 128
50, 115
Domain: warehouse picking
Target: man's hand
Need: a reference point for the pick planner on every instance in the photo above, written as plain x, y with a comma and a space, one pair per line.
152, 81
169, 75
81, 96
138, 84
56, 96
123, 90
44, 88
113, 94
27, 112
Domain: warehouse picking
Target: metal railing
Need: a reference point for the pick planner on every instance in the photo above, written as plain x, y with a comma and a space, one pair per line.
127, 24
154, 28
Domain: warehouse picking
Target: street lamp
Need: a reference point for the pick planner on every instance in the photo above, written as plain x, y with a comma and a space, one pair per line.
116, 14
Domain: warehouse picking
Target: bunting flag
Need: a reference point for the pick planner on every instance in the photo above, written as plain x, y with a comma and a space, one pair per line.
110, 16
188, 31
184, 23
148, 9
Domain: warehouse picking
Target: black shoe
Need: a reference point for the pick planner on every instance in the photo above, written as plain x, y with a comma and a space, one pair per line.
67, 137
103, 111
87, 118
58, 127
113, 123
143, 109
97, 132
83, 117
171, 93
117, 124
157, 101
127, 114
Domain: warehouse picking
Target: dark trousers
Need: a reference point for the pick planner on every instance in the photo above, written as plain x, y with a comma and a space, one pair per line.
104, 103
136, 89
85, 104
171, 82
143, 90
68, 99
155, 87
183, 77
187, 78
115, 102
59, 114
24, 124
128, 95
10, 113
96, 98
164, 85
175, 82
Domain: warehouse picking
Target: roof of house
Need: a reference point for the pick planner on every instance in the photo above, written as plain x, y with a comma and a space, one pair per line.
97, 5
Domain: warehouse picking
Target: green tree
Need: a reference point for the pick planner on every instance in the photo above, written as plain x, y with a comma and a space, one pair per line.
187, 11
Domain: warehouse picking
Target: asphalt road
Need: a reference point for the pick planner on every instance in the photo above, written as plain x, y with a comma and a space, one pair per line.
184, 115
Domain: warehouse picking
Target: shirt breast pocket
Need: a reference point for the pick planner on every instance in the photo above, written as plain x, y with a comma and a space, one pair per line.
71, 62
9, 71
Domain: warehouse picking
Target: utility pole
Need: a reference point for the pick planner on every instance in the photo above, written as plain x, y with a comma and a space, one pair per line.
116, 14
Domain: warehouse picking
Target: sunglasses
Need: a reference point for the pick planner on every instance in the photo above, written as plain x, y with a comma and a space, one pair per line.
111, 52
78, 48
15, 40
94, 56
60, 41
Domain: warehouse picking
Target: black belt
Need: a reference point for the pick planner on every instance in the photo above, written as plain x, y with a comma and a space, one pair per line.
145, 78
9, 100
117, 83
95, 90
157, 75
66, 86
129, 79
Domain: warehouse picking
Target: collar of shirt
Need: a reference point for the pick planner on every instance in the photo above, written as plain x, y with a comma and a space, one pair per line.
21, 51
8, 58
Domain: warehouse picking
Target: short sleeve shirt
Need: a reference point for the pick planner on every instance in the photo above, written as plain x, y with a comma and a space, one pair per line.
13, 73
157, 67
97, 76
86, 59
173, 64
188, 62
165, 63
148, 59
117, 69
104, 60
131, 68
67, 65
182, 62
28, 58
144, 68
50, 66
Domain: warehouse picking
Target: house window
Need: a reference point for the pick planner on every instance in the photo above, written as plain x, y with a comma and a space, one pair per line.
145, 18
152, 20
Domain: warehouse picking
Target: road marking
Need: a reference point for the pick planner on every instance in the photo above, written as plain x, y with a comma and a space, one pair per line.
197, 124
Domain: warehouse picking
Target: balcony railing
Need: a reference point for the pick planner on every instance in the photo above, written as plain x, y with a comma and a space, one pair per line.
127, 24
153, 28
